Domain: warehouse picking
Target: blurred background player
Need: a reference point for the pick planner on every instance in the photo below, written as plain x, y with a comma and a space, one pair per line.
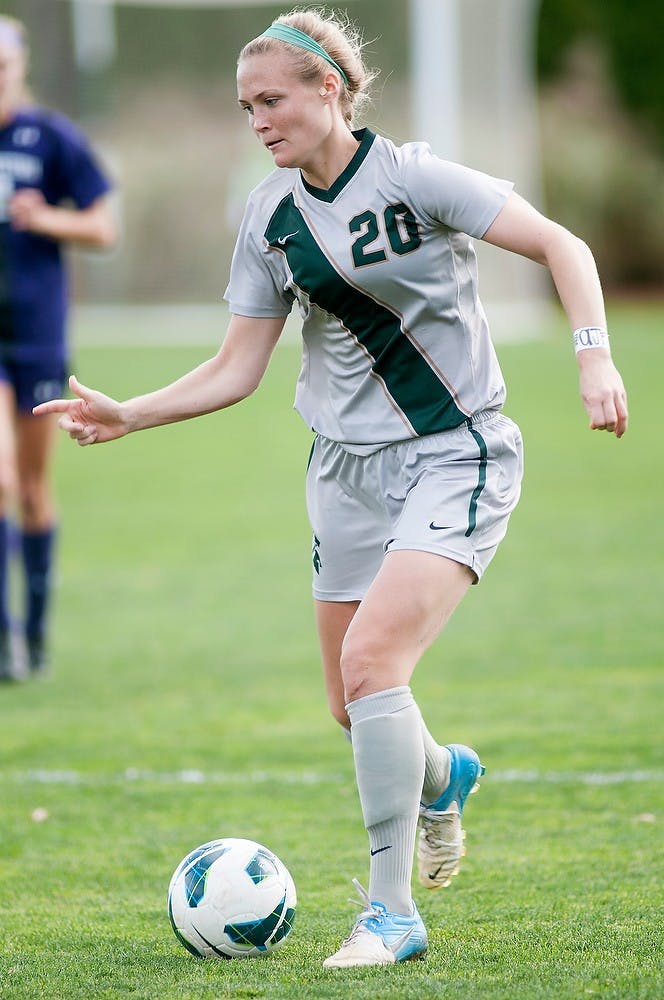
414, 470
52, 192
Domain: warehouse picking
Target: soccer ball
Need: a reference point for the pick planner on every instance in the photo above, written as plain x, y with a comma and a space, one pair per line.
231, 898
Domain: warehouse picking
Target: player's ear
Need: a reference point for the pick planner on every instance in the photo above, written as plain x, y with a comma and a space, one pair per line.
331, 85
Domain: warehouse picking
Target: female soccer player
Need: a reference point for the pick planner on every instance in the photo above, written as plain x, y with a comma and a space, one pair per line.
44, 161
414, 469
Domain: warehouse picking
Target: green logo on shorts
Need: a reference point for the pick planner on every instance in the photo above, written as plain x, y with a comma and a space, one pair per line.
316, 555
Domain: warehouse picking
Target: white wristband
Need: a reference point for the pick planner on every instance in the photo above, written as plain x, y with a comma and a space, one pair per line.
590, 336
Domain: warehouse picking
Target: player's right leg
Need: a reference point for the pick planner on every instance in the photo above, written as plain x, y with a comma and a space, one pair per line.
8, 479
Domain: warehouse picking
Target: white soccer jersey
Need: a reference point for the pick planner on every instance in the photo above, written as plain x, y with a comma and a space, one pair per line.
382, 266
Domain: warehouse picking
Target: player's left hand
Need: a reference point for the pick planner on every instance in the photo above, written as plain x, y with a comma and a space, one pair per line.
29, 211
602, 392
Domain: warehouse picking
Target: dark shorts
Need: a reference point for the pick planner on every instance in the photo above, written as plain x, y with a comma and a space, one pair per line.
34, 381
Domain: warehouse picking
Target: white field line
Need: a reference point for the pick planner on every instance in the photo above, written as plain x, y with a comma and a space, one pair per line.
135, 775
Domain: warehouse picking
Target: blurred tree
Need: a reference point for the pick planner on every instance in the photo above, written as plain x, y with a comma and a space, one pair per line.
632, 36
634, 32
561, 24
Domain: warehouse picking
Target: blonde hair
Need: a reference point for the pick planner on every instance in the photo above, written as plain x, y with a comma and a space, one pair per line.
342, 41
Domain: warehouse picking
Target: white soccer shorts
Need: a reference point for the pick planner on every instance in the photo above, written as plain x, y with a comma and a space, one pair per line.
449, 493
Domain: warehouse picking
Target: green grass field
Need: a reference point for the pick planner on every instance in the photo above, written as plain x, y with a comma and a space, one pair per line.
186, 704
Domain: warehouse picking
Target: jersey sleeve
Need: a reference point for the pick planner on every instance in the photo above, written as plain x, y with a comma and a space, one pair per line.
254, 287
78, 173
459, 197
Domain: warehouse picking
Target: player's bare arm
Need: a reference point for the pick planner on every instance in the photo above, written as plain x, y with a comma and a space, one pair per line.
231, 375
92, 227
519, 227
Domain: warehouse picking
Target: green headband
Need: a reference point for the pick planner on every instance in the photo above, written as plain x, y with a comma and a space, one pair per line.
285, 33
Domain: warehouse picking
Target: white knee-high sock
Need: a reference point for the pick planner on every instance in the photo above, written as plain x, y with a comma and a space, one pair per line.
436, 766
389, 767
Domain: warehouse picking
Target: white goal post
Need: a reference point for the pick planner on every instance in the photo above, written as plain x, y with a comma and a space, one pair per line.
474, 99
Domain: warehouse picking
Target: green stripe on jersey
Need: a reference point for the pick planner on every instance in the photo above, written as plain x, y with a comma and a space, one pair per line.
366, 139
411, 382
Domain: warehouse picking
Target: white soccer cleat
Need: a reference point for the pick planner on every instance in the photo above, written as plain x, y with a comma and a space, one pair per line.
380, 937
441, 841
361, 947
441, 847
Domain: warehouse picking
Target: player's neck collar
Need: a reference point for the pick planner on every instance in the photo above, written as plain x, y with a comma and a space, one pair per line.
365, 137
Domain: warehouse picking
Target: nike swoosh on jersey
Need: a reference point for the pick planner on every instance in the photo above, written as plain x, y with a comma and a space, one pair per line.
440, 527
282, 239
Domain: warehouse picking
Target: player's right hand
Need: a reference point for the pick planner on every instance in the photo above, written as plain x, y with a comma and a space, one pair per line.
90, 418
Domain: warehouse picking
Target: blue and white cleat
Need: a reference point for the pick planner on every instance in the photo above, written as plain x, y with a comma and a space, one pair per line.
441, 842
380, 937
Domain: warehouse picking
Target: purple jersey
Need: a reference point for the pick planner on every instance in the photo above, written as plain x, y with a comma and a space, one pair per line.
44, 150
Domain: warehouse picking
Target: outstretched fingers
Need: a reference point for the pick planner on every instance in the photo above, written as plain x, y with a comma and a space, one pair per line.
63, 405
54, 406
89, 417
